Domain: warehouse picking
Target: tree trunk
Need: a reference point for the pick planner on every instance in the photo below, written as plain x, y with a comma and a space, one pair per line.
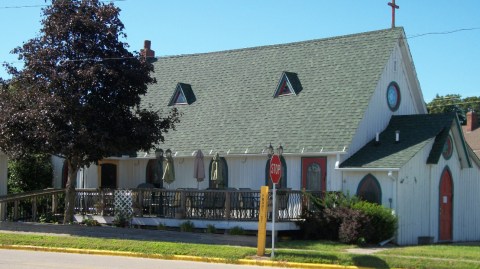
70, 192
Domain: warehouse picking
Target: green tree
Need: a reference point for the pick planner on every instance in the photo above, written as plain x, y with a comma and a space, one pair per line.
447, 104
454, 103
79, 92
31, 172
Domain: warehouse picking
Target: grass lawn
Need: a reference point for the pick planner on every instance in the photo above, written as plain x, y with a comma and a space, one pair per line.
436, 256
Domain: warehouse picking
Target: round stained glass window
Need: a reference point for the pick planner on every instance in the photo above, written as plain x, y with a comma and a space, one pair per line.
393, 96
448, 148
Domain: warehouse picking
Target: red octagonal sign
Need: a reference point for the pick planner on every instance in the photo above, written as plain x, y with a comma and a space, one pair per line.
275, 169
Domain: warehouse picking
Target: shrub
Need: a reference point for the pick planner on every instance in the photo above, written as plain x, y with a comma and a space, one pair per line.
211, 229
237, 230
121, 220
351, 223
161, 226
29, 173
47, 217
90, 222
347, 219
382, 224
323, 221
187, 226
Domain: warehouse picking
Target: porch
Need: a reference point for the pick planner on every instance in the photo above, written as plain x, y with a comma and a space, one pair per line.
225, 208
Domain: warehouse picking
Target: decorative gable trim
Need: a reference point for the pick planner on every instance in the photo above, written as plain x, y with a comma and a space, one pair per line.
289, 84
458, 141
183, 95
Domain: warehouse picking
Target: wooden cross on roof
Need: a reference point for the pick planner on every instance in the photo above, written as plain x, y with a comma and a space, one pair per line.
394, 6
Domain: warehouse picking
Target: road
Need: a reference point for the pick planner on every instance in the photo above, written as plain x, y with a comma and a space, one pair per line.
20, 259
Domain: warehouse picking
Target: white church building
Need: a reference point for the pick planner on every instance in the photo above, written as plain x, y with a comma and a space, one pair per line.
348, 112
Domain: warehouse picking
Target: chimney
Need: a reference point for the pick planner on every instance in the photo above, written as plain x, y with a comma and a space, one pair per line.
146, 51
472, 121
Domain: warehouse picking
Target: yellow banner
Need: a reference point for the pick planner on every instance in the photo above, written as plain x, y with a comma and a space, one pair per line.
262, 221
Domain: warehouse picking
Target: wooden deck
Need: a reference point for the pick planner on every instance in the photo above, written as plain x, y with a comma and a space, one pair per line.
222, 208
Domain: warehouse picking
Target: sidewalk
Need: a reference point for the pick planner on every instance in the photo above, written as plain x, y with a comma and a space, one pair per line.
128, 233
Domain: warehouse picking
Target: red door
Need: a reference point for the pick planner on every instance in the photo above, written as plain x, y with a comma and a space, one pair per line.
314, 173
446, 206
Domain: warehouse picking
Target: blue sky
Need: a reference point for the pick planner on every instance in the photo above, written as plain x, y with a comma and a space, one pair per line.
445, 63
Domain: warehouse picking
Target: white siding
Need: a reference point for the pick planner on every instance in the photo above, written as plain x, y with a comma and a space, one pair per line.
334, 177
466, 226
418, 197
243, 172
57, 164
387, 184
378, 114
466, 198
415, 198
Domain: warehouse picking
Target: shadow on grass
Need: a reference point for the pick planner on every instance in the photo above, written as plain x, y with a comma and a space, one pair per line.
369, 261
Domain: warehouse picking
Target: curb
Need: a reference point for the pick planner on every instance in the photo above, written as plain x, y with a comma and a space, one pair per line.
181, 257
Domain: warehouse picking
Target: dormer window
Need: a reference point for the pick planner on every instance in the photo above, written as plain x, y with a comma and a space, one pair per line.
289, 84
183, 95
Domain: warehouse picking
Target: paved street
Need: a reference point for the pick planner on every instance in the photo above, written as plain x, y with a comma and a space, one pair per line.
20, 259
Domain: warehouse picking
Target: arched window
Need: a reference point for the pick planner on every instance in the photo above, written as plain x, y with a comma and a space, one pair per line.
154, 172
223, 170
283, 180
448, 148
369, 190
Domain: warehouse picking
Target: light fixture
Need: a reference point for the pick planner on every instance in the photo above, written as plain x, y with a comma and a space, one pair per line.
168, 153
280, 150
270, 151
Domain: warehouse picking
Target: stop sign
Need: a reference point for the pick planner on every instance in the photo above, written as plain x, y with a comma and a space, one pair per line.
275, 169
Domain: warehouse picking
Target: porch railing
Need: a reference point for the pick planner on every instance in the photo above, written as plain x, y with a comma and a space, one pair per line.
230, 204
32, 206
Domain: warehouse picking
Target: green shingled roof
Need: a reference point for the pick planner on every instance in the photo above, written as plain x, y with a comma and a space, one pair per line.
235, 110
415, 132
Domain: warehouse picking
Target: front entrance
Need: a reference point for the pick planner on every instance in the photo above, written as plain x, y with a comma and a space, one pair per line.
314, 173
446, 206
108, 176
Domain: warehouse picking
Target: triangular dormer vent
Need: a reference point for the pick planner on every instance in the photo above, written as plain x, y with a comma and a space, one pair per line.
183, 95
289, 84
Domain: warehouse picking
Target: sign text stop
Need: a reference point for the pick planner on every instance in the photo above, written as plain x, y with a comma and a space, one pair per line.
275, 169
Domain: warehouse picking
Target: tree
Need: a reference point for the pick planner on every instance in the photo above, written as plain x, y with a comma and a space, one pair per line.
31, 172
454, 103
79, 92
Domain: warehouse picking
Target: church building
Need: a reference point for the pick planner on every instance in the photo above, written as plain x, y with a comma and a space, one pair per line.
345, 113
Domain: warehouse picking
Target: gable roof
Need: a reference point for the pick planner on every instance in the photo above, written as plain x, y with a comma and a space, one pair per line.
235, 111
415, 132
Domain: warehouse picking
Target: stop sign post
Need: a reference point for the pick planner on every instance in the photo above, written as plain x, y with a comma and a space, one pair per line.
275, 175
